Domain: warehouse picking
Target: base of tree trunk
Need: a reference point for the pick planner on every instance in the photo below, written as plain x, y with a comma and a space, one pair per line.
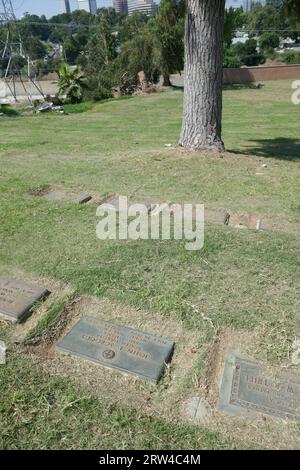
167, 81
213, 144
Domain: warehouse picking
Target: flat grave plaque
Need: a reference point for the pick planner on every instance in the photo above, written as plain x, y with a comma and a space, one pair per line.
247, 389
17, 299
118, 347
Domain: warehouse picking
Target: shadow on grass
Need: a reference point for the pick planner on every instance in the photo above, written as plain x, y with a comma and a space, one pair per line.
281, 148
242, 86
228, 86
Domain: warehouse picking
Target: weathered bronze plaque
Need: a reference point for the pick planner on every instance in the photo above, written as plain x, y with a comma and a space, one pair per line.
118, 347
17, 299
246, 389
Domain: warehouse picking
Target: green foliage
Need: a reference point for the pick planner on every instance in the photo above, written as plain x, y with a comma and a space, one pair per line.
267, 17
74, 45
234, 19
71, 83
35, 48
277, 16
51, 316
247, 53
271, 54
131, 26
230, 59
8, 110
292, 8
269, 40
140, 54
291, 57
168, 28
98, 59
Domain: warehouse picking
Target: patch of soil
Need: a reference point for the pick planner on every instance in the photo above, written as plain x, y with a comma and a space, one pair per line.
39, 192
62, 194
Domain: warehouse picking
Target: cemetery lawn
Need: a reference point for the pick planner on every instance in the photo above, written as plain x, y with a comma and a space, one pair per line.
242, 280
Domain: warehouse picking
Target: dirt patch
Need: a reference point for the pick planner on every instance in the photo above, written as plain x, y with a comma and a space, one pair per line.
62, 194
250, 221
39, 192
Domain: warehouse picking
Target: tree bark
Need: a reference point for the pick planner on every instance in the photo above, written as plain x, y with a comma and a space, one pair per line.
202, 115
166, 80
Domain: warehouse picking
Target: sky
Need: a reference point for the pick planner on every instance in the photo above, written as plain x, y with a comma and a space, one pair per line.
47, 7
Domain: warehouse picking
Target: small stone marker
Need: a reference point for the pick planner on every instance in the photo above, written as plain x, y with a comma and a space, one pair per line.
118, 347
2, 352
198, 409
84, 199
17, 299
295, 357
247, 389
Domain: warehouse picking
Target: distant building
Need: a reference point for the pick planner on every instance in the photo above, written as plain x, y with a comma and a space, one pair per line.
88, 5
66, 6
142, 6
246, 4
121, 6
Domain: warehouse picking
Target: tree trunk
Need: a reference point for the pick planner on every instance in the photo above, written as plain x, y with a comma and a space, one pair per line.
202, 115
166, 80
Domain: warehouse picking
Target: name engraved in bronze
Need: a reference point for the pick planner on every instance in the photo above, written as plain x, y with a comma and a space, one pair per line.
17, 299
135, 352
251, 388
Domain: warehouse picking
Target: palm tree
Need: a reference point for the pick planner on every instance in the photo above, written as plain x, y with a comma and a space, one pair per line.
71, 83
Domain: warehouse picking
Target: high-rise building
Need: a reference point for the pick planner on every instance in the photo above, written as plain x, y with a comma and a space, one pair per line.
120, 6
88, 5
66, 6
143, 6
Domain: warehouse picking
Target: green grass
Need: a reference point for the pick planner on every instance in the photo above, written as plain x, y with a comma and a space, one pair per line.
40, 412
244, 279
46, 321
7, 110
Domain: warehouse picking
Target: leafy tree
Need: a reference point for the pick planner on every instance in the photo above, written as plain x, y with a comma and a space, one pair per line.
34, 26
247, 53
140, 54
97, 60
130, 26
230, 59
168, 27
35, 48
234, 19
204, 33
291, 57
269, 40
268, 17
292, 8
71, 83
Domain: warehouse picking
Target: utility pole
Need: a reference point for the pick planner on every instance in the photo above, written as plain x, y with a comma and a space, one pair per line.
15, 64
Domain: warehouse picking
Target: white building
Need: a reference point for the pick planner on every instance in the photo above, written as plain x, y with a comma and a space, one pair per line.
143, 6
88, 5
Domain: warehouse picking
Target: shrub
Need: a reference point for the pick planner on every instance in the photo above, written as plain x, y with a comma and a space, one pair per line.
291, 57
269, 40
248, 53
230, 59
